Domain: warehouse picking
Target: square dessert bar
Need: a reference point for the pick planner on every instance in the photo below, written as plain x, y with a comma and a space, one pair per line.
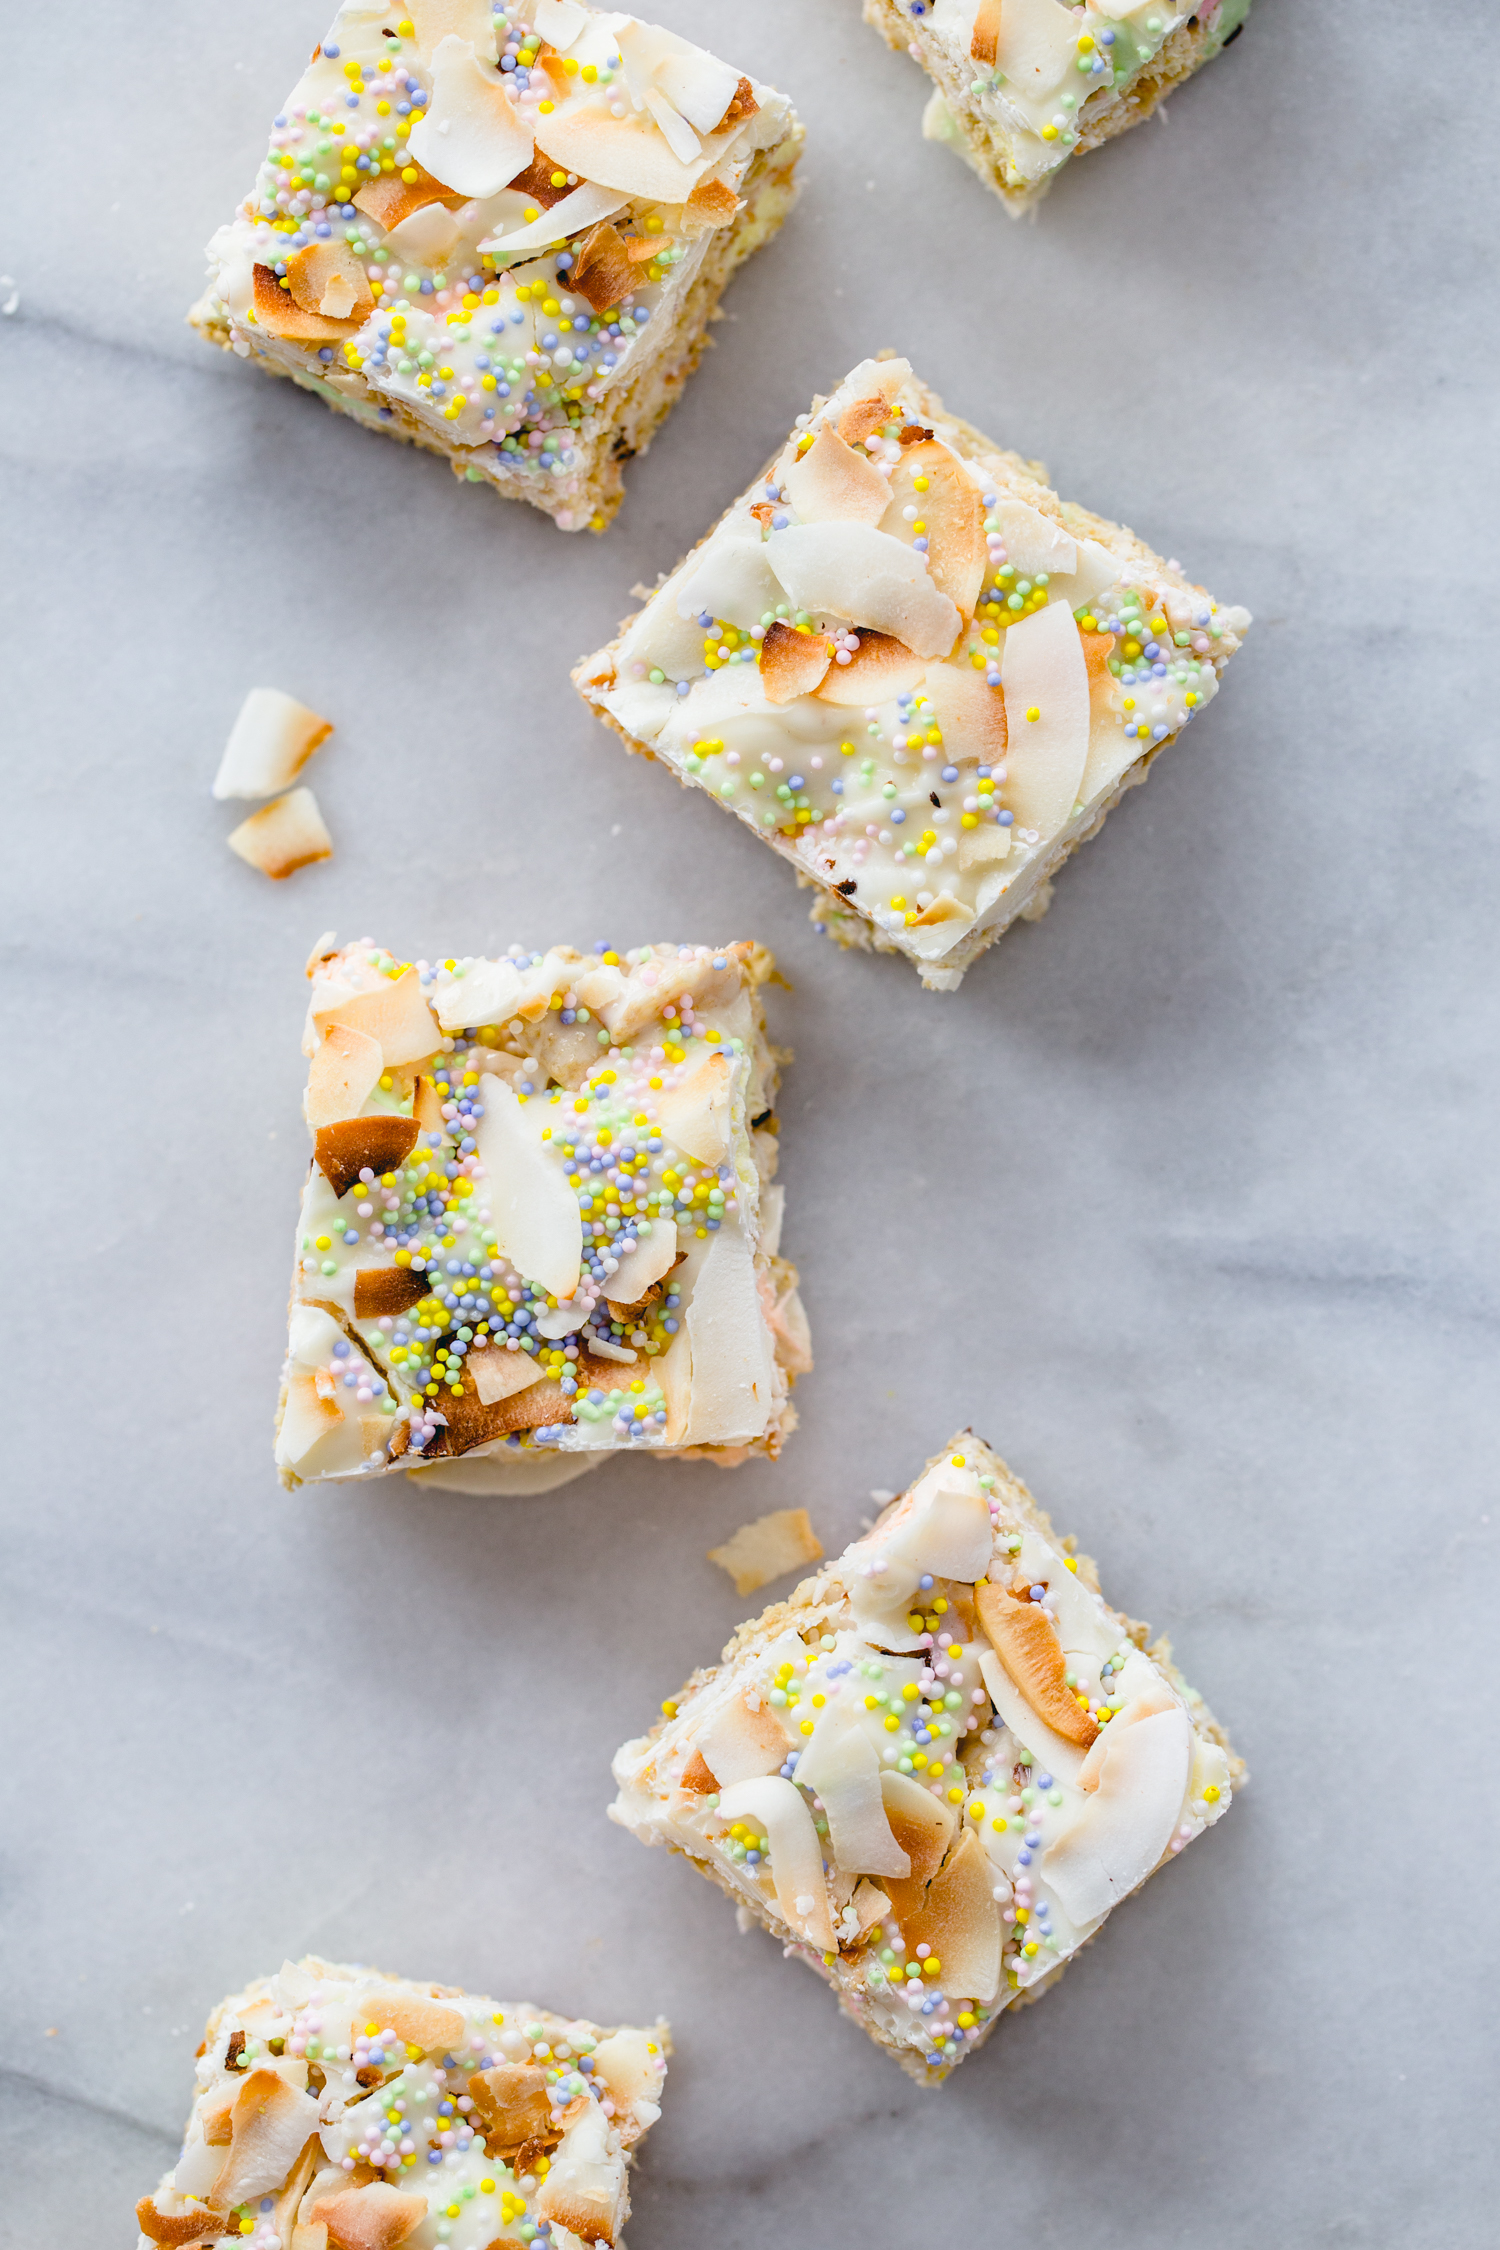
339, 2109
539, 1224
1021, 86
936, 1769
500, 232
912, 670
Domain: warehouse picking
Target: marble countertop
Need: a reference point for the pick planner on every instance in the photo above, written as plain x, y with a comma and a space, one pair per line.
1187, 1200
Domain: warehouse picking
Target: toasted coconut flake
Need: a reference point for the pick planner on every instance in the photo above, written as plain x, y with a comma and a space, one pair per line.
512, 2100
379, 1290
327, 278
286, 834
944, 908
584, 206
914, 433
277, 309
1025, 1640
1043, 670
394, 1012
343, 1150
712, 204
970, 712
870, 1905
739, 1744
1127, 1824
306, 1416
470, 136
767, 1549
422, 2023
390, 200
700, 87
880, 668
1111, 750
538, 183
743, 105
796, 1854
862, 418
499, 1374
536, 1215
584, 2191
953, 511
653, 1256
960, 1920
1097, 650
697, 1777
985, 38
853, 571
628, 153
433, 21
427, 1106
698, 1116
218, 2124
269, 744
921, 1824
629, 2062
193, 2224
341, 1076
269, 2124
832, 483
792, 663
471, 1423
299, 2179
602, 271
376, 2217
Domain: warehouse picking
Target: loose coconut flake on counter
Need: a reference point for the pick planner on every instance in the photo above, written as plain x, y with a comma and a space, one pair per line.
768, 1548
283, 836
269, 744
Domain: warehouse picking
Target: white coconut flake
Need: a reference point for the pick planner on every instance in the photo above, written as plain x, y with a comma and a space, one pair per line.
534, 1211
269, 744
852, 571
470, 136
1043, 670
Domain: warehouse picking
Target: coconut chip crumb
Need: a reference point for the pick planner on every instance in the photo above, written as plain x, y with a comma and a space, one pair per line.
768, 1548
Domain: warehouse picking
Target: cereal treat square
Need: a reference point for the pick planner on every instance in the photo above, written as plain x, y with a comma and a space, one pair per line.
340, 2109
936, 1769
500, 232
1021, 86
913, 671
539, 1225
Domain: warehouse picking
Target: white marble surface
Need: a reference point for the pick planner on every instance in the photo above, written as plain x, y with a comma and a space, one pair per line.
1186, 1200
